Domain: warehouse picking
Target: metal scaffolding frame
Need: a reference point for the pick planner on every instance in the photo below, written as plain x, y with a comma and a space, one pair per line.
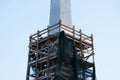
43, 48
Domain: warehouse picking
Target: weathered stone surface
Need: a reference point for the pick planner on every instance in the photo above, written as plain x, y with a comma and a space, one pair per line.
60, 10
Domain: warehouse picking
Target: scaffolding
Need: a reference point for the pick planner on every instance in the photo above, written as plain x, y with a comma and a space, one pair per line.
43, 48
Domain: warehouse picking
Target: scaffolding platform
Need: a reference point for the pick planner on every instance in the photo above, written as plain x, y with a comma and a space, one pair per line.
43, 48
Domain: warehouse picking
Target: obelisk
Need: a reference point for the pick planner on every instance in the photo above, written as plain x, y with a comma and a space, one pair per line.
60, 10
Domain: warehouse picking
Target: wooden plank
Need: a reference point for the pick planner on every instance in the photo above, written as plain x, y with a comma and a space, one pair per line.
44, 59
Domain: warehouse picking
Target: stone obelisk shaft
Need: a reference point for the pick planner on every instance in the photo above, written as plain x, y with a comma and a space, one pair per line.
60, 10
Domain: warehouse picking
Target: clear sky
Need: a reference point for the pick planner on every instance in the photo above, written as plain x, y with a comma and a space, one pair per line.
21, 18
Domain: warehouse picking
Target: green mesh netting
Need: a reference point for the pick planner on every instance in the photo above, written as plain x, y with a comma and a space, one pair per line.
69, 63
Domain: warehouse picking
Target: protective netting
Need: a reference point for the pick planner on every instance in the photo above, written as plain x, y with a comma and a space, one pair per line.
70, 65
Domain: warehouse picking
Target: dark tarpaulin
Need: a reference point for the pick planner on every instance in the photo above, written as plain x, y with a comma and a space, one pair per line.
69, 62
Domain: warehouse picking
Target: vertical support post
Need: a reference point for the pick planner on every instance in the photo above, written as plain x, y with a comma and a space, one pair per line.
94, 76
29, 47
28, 71
37, 52
48, 30
74, 34
92, 47
81, 52
28, 68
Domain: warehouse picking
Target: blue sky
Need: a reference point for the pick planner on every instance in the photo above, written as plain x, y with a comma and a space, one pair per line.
21, 18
